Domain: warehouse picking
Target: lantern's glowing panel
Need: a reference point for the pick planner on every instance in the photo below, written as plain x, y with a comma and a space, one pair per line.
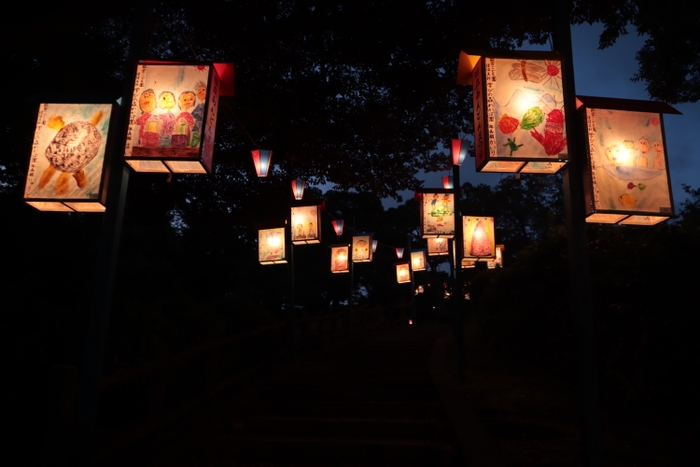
271, 246
466, 264
403, 273
340, 259
519, 114
479, 238
437, 215
437, 246
628, 179
67, 160
305, 222
173, 118
418, 260
362, 248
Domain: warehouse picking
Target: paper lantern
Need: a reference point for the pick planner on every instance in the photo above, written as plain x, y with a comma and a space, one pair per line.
67, 169
298, 188
399, 252
498, 261
262, 159
271, 246
362, 248
305, 222
437, 214
448, 182
479, 238
340, 259
173, 116
403, 273
338, 225
519, 113
438, 246
374, 245
626, 178
419, 260
460, 148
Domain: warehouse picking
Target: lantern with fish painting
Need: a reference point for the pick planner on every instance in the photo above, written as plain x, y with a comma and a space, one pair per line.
437, 213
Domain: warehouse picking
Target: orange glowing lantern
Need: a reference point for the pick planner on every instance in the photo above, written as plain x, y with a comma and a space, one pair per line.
362, 248
438, 246
340, 259
479, 238
437, 214
419, 260
71, 139
271, 246
626, 178
403, 273
305, 224
519, 114
173, 116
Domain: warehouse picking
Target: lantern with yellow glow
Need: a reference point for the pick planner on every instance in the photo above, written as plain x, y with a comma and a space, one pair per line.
340, 259
262, 159
362, 248
626, 179
519, 114
479, 238
298, 188
468, 264
338, 226
419, 260
271, 246
305, 222
67, 169
173, 116
399, 252
437, 214
438, 246
403, 273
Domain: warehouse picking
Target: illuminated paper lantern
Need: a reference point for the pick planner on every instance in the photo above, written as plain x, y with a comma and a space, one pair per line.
173, 116
448, 182
437, 214
519, 114
468, 264
362, 248
399, 252
340, 259
298, 188
460, 148
403, 273
438, 246
498, 261
271, 246
419, 260
262, 159
374, 245
67, 169
338, 226
305, 222
479, 238
626, 178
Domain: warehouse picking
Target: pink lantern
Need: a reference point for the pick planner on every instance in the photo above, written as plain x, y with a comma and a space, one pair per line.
448, 182
399, 253
298, 188
338, 226
460, 147
262, 159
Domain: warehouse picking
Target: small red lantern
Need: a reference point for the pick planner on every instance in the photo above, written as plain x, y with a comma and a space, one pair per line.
460, 147
298, 188
338, 226
262, 159
448, 182
399, 253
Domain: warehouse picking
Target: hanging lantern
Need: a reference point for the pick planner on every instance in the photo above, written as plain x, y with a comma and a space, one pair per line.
173, 116
399, 253
447, 182
298, 188
437, 246
437, 214
71, 139
403, 273
362, 248
305, 222
498, 261
519, 114
419, 260
340, 259
338, 227
626, 178
460, 148
468, 264
262, 159
271, 246
374, 245
479, 238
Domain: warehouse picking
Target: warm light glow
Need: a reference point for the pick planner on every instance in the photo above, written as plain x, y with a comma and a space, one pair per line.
298, 188
437, 214
362, 248
418, 260
305, 222
479, 238
262, 159
437, 246
403, 273
410, 321
339, 259
271, 247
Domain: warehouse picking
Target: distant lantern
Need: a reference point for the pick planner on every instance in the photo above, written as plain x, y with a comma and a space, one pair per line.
305, 222
498, 261
362, 248
298, 188
71, 139
338, 226
448, 182
626, 177
262, 159
374, 245
340, 259
399, 252
403, 273
438, 246
419, 260
271, 246
460, 148
519, 114
479, 238
437, 214
173, 116
467, 264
